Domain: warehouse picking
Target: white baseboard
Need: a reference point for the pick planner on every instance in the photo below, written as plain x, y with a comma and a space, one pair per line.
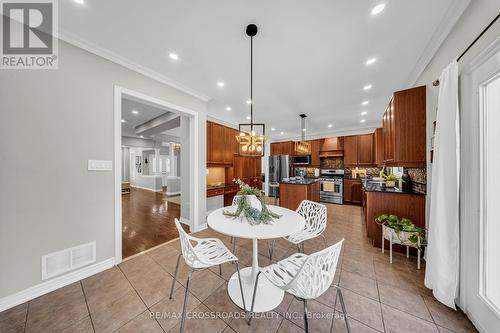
43, 288
145, 188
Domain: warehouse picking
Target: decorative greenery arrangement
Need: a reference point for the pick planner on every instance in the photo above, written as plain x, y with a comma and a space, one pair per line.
417, 234
245, 209
390, 178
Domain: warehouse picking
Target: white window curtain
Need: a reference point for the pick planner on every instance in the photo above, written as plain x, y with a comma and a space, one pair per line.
442, 256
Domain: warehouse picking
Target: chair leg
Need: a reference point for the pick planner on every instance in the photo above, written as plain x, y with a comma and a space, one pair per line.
306, 325
390, 250
344, 311
418, 259
241, 286
175, 275
383, 241
271, 249
253, 297
324, 241
186, 294
220, 269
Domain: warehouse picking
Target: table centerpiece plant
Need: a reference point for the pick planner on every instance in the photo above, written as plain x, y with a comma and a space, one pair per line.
407, 232
245, 209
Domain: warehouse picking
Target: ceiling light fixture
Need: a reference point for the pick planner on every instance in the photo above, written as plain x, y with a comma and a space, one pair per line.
364, 113
365, 103
124, 121
362, 120
142, 136
282, 133
221, 84
228, 108
251, 137
367, 87
371, 61
80, 2
378, 9
248, 117
273, 129
330, 125
135, 112
303, 146
173, 56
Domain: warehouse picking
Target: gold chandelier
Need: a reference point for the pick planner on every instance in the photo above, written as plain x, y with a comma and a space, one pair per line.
303, 147
252, 137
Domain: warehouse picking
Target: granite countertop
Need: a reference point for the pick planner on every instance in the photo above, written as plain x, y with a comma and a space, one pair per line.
213, 187
305, 181
372, 186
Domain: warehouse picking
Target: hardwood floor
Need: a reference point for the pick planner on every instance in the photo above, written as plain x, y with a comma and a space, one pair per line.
147, 220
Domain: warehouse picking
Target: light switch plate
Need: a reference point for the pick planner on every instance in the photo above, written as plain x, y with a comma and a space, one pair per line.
99, 165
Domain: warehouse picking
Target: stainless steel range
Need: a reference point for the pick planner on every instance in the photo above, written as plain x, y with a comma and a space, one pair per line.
331, 186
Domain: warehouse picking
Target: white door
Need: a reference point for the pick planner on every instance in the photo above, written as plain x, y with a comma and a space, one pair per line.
480, 190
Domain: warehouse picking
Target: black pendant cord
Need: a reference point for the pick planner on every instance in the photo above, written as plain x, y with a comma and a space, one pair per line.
251, 85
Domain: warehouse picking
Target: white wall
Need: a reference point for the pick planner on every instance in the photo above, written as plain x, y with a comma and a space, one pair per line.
475, 18
63, 118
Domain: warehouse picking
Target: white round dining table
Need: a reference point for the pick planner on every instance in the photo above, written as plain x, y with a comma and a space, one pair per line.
268, 296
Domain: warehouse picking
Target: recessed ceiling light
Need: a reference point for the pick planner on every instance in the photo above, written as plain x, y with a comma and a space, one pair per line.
365, 103
371, 61
249, 102
367, 87
362, 120
80, 2
282, 133
142, 136
330, 125
124, 121
228, 108
173, 56
220, 84
273, 129
303, 130
135, 112
364, 113
248, 118
378, 9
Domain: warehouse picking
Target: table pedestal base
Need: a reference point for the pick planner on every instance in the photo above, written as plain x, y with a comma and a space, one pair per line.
268, 296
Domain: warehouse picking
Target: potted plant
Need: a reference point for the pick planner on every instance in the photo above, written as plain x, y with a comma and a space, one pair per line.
252, 206
390, 180
405, 232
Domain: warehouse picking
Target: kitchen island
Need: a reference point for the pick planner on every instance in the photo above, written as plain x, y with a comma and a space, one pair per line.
292, 192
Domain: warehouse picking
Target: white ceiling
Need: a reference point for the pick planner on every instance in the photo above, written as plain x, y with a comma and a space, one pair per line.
145, 114
309, 56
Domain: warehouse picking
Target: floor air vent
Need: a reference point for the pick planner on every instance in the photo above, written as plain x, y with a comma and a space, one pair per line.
66, 260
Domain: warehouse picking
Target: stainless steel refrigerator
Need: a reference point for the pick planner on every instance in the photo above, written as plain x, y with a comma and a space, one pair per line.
279, 168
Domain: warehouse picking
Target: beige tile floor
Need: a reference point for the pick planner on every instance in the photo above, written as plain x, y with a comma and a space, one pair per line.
133, 297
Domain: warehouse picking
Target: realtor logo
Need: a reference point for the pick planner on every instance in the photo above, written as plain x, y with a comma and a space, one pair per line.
29, 34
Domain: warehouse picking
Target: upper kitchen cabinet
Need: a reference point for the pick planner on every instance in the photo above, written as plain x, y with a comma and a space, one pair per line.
315, 151
378, 138
358, 150
332, 144
404, 131
221, 144
282, 148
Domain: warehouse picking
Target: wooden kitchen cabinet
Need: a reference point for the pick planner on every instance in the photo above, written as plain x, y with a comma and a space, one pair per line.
358, 150
282, 148
315, 151
221, 144
249, 170
378, 139
353, 191
404, 128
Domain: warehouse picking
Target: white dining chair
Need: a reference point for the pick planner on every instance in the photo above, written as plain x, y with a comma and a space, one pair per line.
305, 277
315, 215
206, 252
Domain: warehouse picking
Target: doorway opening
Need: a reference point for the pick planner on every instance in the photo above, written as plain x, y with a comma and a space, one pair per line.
154, 171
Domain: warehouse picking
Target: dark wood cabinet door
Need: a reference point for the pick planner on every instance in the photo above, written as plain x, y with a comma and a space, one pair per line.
209, 142
236, 145
228, 148
365, 149
378, 138
218, 139
315, 149
356, 193
347, 191
287, 148
350, 150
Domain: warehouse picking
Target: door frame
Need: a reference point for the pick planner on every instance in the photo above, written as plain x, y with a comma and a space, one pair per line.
120, 92
472, 187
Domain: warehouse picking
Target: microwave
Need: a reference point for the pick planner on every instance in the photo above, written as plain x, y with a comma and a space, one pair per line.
304, 160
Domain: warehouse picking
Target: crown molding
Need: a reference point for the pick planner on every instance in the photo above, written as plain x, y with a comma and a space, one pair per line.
453, 14
117, 59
